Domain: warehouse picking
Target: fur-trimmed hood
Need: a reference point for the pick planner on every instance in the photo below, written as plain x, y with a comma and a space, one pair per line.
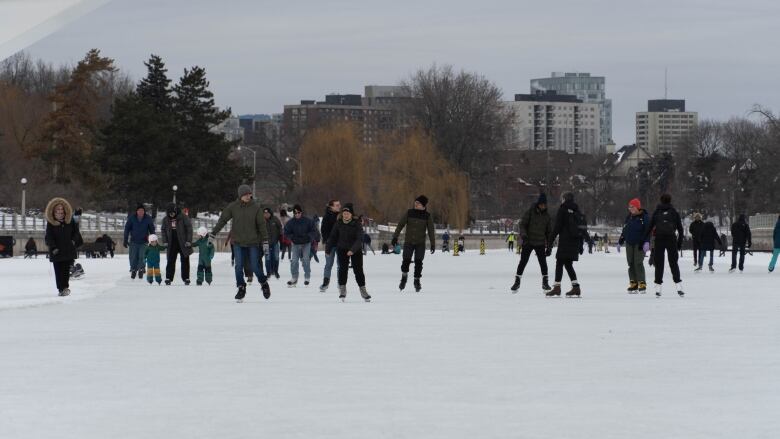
50, 211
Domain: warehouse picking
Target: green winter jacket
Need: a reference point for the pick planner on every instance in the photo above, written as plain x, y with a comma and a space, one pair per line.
248, 228
417, 222
205, 251
152, 254
536, 225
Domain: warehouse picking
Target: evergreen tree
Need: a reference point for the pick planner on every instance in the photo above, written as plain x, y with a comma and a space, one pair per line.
155, 89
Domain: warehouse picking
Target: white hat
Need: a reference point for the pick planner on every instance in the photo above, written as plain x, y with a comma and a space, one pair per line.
202, 231
152, 237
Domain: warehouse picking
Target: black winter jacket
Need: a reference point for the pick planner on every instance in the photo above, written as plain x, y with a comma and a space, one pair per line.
328, 221
183, 230
346, 236
740, 234
695, 230
709, 236
666, 213
62, 236
569, 244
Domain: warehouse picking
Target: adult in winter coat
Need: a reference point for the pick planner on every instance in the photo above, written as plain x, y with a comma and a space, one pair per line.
709, 235
776, 246
329, 219
137, 230
417, 222
535, 229
666, 224
346, 240
695, 229
300, 231
637, 243
63, 239
571, 229
274, 227
249, 233
31, 249
176, 231
741, 239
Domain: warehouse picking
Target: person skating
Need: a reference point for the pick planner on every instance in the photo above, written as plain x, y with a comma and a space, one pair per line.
315, 243
510, 242
417, 221
31, 249
724, 245
300, 231
445, 241
205, 255
137, 230
152, 258
535, 229
776, 245
571, 229
637, 243
741, 239
367, 244
329, 219
667, 226
708, 237
274, 234
285, 245
695, 229
176, 234
250, 237
346, 240
63, 239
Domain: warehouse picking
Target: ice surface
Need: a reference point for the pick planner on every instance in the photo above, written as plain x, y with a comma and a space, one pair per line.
463, 359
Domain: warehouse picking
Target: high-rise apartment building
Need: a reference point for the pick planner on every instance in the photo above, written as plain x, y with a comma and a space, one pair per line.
660, 128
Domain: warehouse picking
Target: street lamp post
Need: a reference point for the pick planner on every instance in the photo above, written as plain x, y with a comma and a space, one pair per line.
24, 203
175, 188
254, 170
300, 169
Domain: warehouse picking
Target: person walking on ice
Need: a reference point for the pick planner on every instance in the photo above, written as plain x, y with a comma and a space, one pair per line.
346, 239
637, 243
152, 258
62, 238
176, 233
137, 230
205, 255
667, 226
535, 229
571, 230
741, 239
249, 234
417, 221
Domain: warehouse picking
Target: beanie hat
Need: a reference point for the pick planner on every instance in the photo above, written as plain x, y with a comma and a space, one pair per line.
297, 208
152, 237
243, 190
542, 199
348, 207
202, 231
268, 211
423, 200
635, 203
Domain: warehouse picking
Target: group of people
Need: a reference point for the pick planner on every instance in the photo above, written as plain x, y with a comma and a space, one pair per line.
704, 236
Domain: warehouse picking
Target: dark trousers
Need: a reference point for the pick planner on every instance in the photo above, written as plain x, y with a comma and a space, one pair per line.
696, 253
357, 267
251, 256
204, 271
511, 245
741, 250
62, 274
418, 251
170, 268
525, 256
568, 264
669, 247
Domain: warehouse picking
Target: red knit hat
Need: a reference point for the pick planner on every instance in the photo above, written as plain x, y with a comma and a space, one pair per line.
636, 203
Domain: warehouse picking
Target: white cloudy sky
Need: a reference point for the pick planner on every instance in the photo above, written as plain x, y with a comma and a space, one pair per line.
260, 55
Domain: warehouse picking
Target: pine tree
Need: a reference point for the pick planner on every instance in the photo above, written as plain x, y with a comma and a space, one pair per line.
155, 89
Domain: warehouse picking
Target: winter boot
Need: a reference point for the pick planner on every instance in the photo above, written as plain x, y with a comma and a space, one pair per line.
680, 289
241, 293
324, 286
141, 273
306, 282
404, 277
266, 290
132, 274
292, 283
417, 285
186, 282
364, 294
515, 286
642, 287
632, 287
276, 274
545, 284
167, 281
574, 291
555, 291
658, 289
198, 282
342, 292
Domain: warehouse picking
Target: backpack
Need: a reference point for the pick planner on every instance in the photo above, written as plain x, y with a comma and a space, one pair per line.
666, 224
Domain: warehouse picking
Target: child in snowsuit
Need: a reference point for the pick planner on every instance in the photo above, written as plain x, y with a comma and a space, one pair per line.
152, 257
205, 255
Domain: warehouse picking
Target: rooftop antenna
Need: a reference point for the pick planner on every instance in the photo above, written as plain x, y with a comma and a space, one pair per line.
666, 83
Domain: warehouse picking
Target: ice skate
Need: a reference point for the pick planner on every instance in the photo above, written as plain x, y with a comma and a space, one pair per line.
515, 286
680, 289
545, 284
555, 291
642, 288
658, 290
266, 290
574, 291
292, 283
404, 277
632, 287
241, 293
364, 294
342, 292
417, 285
324, 286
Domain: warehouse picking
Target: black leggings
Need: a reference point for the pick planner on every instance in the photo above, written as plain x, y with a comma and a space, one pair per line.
568, 264
357, 267
62, 274
525, 256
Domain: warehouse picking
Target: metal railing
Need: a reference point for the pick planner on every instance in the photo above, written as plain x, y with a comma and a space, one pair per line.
88, 223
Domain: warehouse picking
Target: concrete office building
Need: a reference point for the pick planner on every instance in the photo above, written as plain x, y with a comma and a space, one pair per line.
660, 128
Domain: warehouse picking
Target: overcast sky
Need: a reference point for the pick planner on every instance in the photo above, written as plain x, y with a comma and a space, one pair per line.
722, 56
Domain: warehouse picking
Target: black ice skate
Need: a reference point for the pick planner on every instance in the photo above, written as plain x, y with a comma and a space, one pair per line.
241, 293
266, 290
404, 277
417, 284
132, 274
515, 286
364, 294
167, 281
545, 284
324, 286
187, 282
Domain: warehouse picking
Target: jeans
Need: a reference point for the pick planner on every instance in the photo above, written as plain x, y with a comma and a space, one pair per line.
703, 253
300, 252
272, 260
329, 259
741, 250
137, 256
525, 256
775, 254
252, 254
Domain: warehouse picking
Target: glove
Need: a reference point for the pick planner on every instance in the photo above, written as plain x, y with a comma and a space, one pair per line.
55, 251
187, 244
433, 249
646, 247
265, 247
548, 252
621, 241
125, 244
394, 242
